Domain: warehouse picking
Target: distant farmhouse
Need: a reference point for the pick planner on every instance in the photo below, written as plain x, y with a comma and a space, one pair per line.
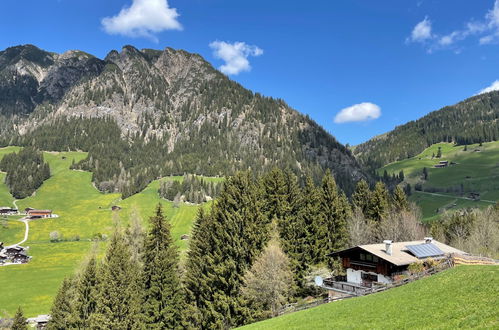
8, 211
382, 263
13, 254
442, 163
38, 214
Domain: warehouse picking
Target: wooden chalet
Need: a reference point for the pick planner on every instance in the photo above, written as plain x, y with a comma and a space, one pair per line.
381, 263
20, 258
8, 211
11, 251
37, 214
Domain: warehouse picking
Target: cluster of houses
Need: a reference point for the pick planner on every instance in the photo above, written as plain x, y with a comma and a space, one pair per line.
14, 254
30, 213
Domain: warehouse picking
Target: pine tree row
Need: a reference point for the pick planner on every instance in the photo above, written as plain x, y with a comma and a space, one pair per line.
248, 256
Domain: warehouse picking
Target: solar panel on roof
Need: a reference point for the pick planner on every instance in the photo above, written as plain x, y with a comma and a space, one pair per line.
425, 250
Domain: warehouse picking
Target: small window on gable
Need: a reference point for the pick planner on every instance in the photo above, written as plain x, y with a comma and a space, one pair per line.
369, 257
362, 256
375, 259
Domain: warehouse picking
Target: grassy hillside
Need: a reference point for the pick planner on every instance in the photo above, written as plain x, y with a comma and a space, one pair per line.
84, 212
462, 297
473, 120
476, 170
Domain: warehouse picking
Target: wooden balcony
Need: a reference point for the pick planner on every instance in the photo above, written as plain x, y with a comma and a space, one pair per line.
345, 287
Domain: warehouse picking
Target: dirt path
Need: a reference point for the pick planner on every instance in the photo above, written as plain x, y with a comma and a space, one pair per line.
26, 223
452, 196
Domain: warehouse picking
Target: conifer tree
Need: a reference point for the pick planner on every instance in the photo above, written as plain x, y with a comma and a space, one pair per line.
62, 308
335, 211
378, 204
85, 294
229, 238
361, 196
163, 296
283, 202
119, 299
198, 291
19, 322
312, 219
399, 200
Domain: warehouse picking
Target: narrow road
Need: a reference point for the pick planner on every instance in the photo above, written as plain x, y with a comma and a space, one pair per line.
26, 223
452, 196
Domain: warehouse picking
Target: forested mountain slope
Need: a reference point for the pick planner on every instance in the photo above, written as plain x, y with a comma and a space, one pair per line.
147, 113
473, 120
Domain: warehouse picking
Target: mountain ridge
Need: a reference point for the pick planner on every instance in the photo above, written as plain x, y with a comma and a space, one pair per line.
473, 120
195, 115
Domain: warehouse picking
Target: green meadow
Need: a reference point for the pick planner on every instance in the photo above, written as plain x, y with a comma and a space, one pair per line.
475, 170
459, 298
83, 213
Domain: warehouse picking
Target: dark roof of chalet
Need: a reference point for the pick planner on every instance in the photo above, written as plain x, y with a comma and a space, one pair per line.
401, 255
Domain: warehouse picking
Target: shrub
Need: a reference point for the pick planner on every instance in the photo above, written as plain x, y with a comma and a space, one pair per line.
55, 236
416, 267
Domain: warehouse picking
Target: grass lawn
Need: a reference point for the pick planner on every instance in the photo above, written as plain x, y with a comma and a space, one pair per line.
461, 297
83, 212
476, 171
11, 231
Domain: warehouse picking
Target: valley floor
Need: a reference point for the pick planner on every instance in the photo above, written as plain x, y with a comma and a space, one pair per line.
83, 213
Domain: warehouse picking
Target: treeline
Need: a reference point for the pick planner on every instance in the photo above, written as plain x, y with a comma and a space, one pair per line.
474, 120
26, 171
471, 230
192, 188
248, 256
127, 164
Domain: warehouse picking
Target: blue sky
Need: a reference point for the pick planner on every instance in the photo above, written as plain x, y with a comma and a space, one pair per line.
386, 62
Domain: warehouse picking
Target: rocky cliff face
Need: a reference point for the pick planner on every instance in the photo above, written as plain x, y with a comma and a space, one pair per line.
171, 96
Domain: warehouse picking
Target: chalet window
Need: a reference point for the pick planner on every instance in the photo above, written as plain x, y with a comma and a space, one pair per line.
362, 256
375, 259
369, 257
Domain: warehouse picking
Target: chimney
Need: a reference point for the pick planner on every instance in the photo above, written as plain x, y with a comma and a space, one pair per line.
428, 240
388, 247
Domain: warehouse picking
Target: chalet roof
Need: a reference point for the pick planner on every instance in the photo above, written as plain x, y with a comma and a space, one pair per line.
400, 254
41, 211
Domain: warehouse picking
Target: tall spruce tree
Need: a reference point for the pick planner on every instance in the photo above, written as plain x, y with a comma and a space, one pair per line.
62, 308
378, 203
399, 200
119, 299
335, 211
19, 322
231, 237
283, 202
196, 279
312, 219
85, 294
361, 197
163, 296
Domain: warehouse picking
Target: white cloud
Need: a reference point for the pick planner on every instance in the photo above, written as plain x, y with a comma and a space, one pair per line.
358, 112
493, 87
486, 30
422, 31
235, 56
144, 18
